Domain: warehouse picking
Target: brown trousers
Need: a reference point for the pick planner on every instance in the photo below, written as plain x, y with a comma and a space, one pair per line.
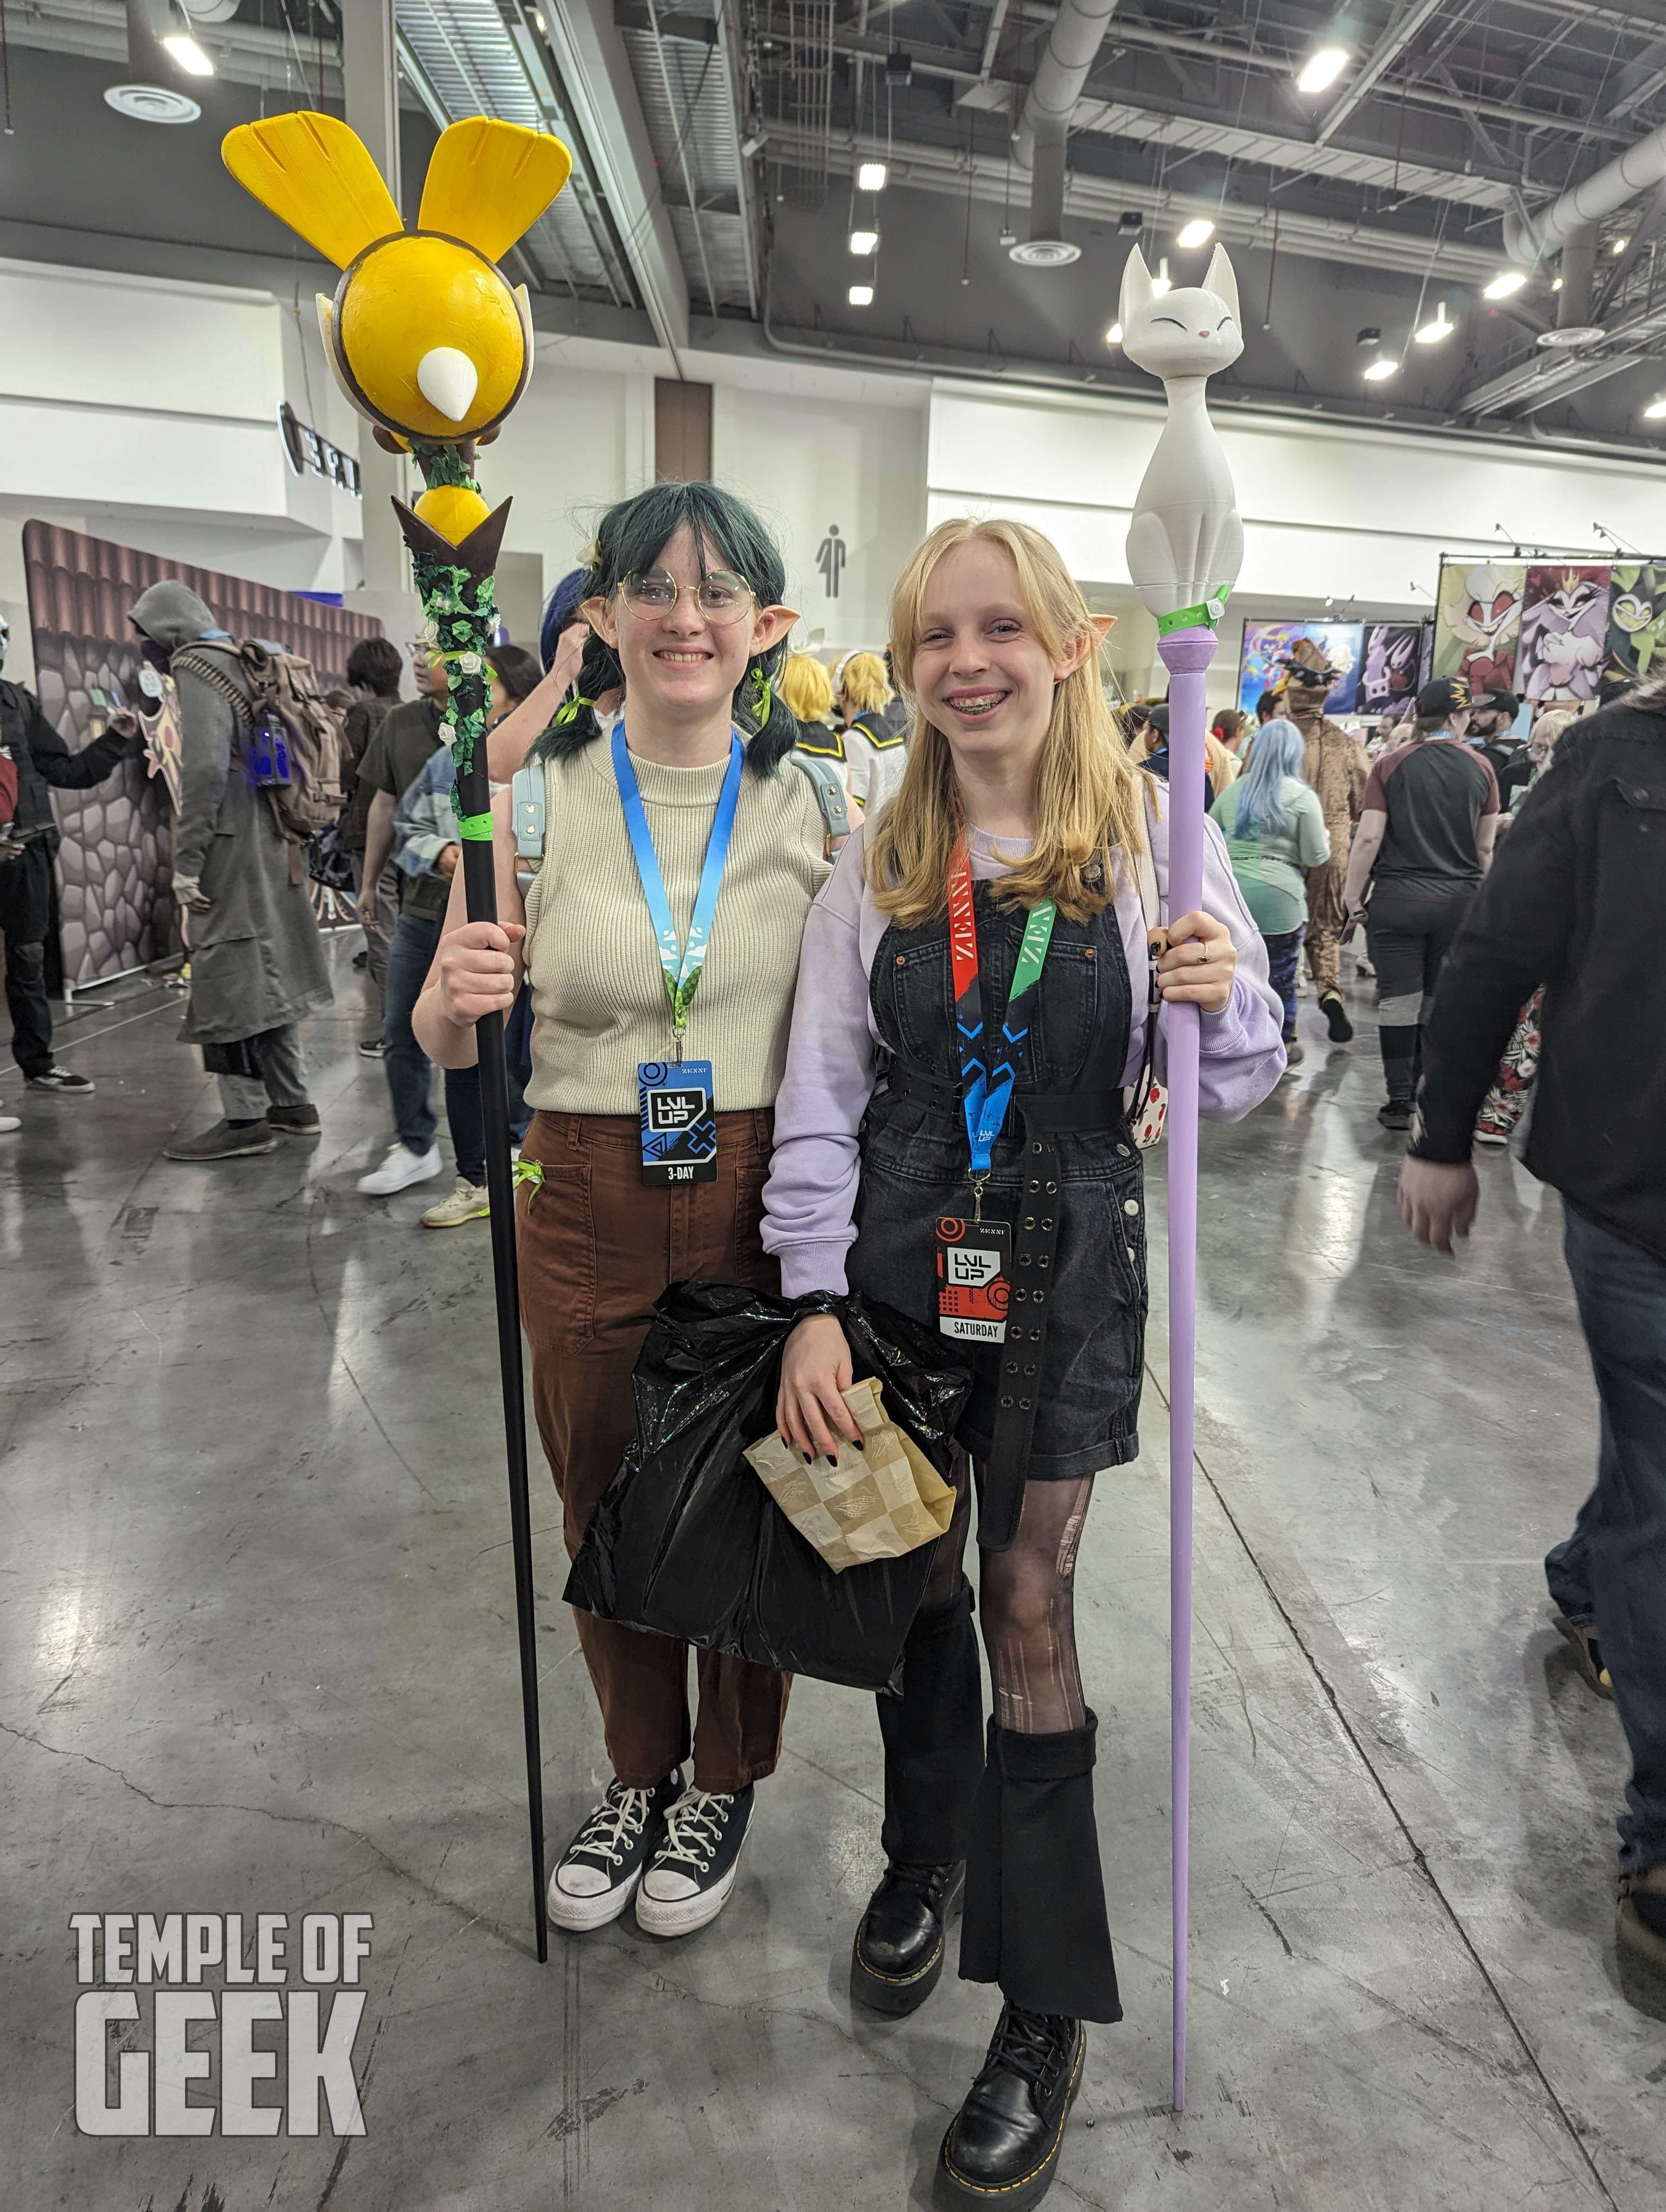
1326, 914
597, 1248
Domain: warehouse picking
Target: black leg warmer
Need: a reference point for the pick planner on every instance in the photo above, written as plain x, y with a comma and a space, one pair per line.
933, 1738
1034, 1913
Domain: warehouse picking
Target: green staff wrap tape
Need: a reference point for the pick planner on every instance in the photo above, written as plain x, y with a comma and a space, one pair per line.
475, 828
1199, 617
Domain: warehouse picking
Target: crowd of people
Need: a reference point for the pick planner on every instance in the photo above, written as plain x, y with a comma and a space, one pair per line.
851, 956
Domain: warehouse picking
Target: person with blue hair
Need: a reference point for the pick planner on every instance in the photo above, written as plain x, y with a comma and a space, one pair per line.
1274, 828
562, 635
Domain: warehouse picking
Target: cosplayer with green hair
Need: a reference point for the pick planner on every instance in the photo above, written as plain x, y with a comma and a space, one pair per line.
729, 541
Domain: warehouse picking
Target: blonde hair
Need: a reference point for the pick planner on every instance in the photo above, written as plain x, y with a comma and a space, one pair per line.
1090, 795
806, 687
862, 682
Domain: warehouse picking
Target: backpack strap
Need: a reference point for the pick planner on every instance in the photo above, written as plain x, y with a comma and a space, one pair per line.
527, 813
829, 788
195, 662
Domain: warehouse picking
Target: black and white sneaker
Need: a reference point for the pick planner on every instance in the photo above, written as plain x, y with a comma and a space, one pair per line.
599, 1869
691, 1875
61, 1078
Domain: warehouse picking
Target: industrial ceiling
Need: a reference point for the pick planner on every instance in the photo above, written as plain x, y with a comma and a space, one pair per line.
1489, 174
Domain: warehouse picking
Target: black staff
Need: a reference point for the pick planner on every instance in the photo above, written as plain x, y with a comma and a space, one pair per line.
455, 583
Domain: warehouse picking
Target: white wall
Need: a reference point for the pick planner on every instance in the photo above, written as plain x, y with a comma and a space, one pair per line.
121, 393
1326, 510
806, 461
581, 437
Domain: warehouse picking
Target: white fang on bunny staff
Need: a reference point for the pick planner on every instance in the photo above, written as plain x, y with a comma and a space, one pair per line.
1185, 543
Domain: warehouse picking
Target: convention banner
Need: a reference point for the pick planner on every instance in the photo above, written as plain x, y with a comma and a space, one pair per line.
1565, 625
1267, 645
1261, 660
1636, 625
1478, 621
1389, 676
115, 860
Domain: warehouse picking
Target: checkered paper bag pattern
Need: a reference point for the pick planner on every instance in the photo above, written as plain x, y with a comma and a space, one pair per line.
876, 1501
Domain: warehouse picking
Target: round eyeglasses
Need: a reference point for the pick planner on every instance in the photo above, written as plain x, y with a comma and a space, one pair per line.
721, 598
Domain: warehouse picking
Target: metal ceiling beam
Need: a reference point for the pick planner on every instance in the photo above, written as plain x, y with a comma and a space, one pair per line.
1319, 237
960, 68
595, 70
1403, 27
1543, 379
729, 53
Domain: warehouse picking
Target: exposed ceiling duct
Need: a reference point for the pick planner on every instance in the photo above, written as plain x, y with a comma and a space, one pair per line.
1039, 142
1530, 240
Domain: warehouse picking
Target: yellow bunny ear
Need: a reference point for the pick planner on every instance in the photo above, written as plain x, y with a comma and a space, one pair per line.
488, 182
316, 175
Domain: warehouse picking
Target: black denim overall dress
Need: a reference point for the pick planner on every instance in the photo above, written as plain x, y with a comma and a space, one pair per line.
1060, 1398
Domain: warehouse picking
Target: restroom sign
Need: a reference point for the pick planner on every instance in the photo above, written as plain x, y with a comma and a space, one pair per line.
830, 556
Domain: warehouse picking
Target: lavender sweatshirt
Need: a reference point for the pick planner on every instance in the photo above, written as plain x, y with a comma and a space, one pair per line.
832, 1066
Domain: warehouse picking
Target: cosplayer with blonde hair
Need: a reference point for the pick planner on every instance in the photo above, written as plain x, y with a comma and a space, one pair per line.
875, 731
993, 935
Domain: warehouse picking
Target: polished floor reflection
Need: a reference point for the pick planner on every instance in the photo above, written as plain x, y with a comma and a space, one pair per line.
256, 1654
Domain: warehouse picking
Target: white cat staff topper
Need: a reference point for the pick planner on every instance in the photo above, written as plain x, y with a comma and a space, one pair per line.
1185, 543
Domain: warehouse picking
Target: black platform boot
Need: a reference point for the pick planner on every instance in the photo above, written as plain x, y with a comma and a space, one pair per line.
933, 1739
1003, 2145
897, 1957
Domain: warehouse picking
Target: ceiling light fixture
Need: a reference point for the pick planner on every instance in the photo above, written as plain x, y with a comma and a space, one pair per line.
861, 296
1198, 232
1620, 245
1162, 281
1505, 284
188, 54
1655, 409
1555, 284
1322, 68
1114, 335
1432, 332
864, 241
870, 177
1379, 370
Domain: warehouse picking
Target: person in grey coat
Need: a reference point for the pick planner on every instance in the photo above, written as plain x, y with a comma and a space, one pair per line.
257, 965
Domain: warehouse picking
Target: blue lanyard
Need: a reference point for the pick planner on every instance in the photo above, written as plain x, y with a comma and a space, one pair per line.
681, 967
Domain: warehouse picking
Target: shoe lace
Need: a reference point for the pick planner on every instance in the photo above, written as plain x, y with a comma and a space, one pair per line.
694, 1828
618, 1819
1027, 2043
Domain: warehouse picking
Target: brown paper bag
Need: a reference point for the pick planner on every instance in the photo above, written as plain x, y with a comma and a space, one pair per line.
875, 1502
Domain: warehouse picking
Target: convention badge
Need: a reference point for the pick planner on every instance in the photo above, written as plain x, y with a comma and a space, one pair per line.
974, 1277
679, 1122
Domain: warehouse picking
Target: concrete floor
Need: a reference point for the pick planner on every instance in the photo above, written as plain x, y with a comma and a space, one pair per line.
259, 1656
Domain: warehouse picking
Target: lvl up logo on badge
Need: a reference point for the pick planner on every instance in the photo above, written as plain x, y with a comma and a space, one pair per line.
679, 1130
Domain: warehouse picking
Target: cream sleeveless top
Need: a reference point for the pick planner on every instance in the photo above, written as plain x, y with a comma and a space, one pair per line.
598, 998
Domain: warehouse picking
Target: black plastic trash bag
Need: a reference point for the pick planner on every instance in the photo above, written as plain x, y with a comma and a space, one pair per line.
687, 1540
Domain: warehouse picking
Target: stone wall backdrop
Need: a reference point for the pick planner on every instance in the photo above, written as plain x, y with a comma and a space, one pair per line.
114, 865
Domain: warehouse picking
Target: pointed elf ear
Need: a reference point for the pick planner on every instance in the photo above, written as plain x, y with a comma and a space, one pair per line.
598, 613
771, 626
1102, 625
488, 182
317, 176
1136, 288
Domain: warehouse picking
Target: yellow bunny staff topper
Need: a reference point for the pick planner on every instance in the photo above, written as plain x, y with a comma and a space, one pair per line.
425, 334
